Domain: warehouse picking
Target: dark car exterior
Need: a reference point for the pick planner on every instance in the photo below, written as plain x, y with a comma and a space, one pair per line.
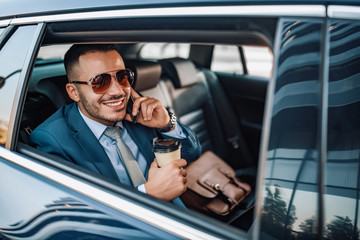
301, 124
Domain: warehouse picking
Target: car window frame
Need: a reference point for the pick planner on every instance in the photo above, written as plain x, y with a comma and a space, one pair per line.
6, 34
2, 29
188, 220
19, 98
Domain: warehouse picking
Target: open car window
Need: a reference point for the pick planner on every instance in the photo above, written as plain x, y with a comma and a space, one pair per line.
186, 92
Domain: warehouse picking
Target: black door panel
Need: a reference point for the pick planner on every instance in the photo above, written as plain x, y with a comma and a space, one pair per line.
247, 97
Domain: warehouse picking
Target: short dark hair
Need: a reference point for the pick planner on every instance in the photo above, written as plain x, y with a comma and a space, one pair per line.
72, 56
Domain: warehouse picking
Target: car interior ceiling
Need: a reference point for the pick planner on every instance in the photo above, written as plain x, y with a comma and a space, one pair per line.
181, 84
241, 31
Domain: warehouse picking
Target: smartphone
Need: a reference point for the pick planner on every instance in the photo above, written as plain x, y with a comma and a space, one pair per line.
129, 108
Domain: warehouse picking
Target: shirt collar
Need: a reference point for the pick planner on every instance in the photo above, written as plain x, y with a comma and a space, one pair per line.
96, 128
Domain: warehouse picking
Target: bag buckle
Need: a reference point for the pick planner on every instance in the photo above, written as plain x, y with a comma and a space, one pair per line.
222, 196
28, 130
216, 187
234, 141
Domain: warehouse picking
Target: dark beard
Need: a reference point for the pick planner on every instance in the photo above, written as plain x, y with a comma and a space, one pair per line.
94, 110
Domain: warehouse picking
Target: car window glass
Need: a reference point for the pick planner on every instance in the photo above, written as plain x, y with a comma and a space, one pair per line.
259, 61
226, 58
53, 51
165, 50
12, 55
1, 31
291, 171
343, 142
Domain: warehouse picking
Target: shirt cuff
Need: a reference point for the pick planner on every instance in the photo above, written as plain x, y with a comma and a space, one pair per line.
176, 133
141, 188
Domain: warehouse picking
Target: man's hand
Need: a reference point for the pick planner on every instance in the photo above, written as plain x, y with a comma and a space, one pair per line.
166, 183
152, 113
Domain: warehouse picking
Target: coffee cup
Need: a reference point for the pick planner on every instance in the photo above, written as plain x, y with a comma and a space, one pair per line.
166, 150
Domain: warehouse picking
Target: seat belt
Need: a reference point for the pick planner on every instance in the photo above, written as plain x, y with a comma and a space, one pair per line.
226, 115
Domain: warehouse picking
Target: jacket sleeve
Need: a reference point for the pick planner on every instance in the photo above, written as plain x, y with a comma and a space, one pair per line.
190, 145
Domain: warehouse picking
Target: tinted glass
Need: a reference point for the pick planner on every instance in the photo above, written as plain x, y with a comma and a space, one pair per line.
226, 58
290, 192
1, 30
259, 61
343, 156
12, 57
165, 50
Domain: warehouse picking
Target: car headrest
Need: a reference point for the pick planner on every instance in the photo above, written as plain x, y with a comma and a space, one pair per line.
147, 74
181, 71
54, 89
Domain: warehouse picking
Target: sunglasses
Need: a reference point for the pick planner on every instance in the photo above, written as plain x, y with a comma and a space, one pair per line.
102, 82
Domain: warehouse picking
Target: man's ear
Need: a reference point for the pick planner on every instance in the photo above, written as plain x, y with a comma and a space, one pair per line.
72, 92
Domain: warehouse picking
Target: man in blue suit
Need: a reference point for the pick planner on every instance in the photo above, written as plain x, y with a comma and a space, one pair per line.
99, 85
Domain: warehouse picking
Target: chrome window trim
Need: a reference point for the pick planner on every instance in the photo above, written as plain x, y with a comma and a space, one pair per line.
323, 123
104, 197
252, 10
344, 12
4, 23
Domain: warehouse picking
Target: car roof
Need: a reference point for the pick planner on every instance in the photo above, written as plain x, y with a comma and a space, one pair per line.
16, 8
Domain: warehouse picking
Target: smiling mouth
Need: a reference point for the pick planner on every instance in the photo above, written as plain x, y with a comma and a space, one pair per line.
113, 104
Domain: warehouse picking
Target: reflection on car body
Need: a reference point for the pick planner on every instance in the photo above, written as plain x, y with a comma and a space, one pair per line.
299, 124
68, 212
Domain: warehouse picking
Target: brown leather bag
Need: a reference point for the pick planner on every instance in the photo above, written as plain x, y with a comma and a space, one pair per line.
212, 186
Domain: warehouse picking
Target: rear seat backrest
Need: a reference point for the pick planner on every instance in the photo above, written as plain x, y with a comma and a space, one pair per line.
147, 80
193, 103
182, 72
54, 88
43, 99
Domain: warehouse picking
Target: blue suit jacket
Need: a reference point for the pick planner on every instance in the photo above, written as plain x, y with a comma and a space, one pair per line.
66, 135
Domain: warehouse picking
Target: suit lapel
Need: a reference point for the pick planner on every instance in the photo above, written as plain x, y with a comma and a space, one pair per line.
90, 146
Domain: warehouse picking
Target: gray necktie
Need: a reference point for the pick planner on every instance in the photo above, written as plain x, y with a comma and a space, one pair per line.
126, 156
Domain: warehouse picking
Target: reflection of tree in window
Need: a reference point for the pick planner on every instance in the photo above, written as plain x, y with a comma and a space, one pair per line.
308, 229
4, 125
275, 215
341, 228
3, 132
